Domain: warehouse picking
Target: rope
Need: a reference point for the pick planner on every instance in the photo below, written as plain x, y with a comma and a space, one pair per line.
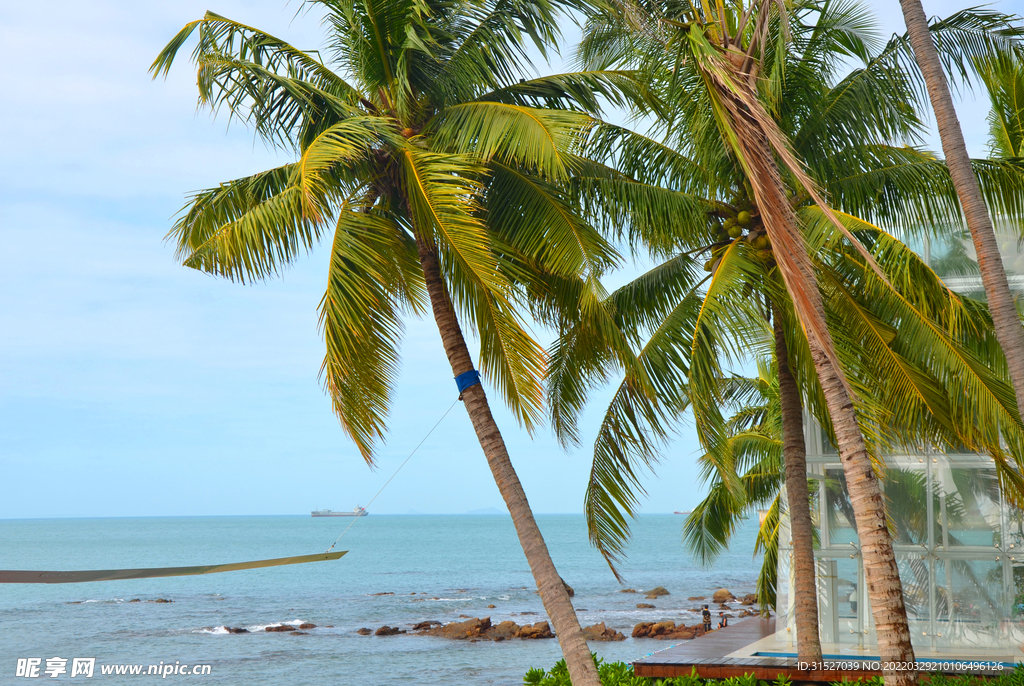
356, 519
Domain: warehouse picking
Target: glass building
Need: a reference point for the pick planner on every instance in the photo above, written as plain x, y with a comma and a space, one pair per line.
959, 545
958, 542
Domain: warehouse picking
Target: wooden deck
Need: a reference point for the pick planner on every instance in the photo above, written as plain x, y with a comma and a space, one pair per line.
707, 655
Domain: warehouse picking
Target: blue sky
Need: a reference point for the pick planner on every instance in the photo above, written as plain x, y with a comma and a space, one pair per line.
131, 386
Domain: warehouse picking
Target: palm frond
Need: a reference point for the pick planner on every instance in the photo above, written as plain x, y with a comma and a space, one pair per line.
510, 358
514, 134
261, 79
443, 192
370, 281
1003, 76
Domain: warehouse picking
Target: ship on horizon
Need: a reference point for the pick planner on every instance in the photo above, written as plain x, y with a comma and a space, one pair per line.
683, 512
355, 512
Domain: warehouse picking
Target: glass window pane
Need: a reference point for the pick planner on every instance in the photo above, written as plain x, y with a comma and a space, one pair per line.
970, 603
842, 529
906, 498
968, 504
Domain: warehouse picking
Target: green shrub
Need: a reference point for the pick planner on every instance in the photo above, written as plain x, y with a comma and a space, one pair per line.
611, 673
621, 674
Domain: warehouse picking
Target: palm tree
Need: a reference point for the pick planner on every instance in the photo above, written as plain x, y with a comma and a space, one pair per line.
755, 432
728, 130
441, 169
975, 211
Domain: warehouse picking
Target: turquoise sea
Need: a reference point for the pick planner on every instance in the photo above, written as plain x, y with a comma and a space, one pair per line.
437, 567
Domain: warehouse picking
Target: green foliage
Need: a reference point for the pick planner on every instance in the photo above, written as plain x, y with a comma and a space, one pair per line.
621, 674
611, 673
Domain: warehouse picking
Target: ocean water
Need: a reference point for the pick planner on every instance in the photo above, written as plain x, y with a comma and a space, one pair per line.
437, 567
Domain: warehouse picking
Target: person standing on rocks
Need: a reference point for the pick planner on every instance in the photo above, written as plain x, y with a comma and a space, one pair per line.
706, 617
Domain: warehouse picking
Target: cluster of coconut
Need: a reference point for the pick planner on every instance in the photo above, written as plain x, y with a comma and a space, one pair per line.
733, 228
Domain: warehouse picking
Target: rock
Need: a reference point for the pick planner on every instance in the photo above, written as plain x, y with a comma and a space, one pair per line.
463, 616
307, 625
568, 588
384, 593
364, 631
663, 630
388, 631
481, 629
471, 628
696, 597
749, 599
298, 633
723, 595
527, 613
600, 632
328, 626
134, 600
644, 606
280, 627
491, 607
236, 630
163, 600
423, 626
538, 630
628, 590
503, 631
657, 591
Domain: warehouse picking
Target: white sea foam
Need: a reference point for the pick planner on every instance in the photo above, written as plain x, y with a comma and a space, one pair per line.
212, 630
263, 627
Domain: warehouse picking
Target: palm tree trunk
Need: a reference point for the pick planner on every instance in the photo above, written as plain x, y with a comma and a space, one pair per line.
552, 590
794, 454
1006, 321
881, 572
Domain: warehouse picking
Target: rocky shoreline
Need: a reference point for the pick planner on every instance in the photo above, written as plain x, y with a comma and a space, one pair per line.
474, 629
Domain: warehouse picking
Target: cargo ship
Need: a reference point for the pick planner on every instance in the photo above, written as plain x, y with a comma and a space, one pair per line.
355, 512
